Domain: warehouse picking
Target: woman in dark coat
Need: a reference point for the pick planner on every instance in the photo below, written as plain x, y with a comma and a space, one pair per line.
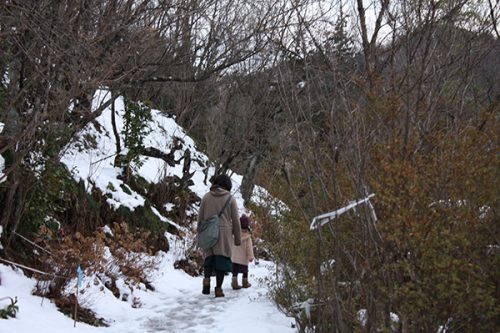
218, 257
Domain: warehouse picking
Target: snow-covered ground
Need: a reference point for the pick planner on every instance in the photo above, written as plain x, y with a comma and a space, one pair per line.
176, 305
93, 163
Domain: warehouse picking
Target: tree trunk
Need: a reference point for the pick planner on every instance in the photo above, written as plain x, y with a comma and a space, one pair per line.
118, 160
13, 205
248, 182
17, 209
9, 201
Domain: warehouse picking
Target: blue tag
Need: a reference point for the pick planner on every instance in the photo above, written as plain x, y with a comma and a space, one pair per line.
79, 271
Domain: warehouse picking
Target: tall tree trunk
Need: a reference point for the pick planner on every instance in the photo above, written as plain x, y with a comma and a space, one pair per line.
9, 201
17, 207
13, 205
248, 181
186, 70
118, 159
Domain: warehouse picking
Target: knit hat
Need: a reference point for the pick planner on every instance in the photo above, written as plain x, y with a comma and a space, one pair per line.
223, 181
244, 222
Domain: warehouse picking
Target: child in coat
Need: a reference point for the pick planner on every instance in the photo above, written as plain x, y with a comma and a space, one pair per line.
242, 255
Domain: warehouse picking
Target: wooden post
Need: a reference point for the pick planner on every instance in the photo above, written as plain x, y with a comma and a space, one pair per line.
76, 304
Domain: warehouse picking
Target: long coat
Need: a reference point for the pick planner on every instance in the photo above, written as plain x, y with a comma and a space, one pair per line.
244, 253
230, 230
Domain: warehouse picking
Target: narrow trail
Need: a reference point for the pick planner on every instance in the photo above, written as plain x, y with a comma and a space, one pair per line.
183, 308
191, 313
176, 306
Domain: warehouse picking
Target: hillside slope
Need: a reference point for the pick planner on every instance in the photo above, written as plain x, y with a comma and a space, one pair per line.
176, 304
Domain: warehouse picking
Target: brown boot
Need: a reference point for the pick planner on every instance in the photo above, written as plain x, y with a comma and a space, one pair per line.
206, 286
218, 292
234, 283
245, 283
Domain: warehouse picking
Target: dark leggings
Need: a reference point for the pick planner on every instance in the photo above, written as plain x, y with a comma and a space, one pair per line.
237, 268
219, 276
245, 275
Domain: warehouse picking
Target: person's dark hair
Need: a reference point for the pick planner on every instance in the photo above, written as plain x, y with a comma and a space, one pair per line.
244, 222
223, 181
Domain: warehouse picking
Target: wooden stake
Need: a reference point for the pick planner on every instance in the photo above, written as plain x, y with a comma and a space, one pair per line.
76, 304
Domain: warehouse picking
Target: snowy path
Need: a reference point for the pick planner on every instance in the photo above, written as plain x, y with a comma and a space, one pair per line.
198, 313
177, 305
245, 310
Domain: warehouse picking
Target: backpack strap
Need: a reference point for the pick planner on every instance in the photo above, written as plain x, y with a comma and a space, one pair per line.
225, 205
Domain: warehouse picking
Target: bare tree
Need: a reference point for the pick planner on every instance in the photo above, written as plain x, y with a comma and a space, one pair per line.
54, 56
398, 100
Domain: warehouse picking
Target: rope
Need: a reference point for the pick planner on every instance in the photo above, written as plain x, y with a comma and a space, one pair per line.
35, 270
32, 243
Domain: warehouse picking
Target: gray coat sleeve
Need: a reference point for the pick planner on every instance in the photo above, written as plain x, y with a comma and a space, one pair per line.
235, 219
201, 211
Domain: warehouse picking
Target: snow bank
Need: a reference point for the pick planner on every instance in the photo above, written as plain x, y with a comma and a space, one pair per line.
176, 305
93, 163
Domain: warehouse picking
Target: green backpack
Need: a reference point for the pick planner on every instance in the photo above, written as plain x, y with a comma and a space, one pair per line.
208, 229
